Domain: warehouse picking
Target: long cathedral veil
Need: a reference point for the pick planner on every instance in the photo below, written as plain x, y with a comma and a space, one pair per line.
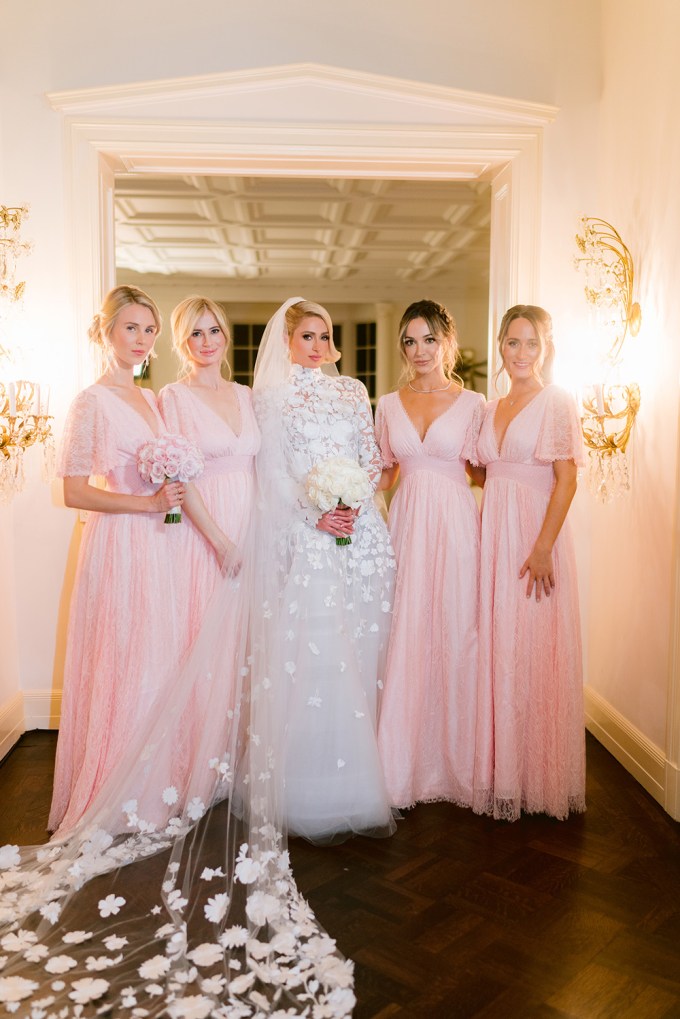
173, 895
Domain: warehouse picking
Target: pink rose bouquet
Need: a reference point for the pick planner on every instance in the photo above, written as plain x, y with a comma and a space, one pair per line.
170, 458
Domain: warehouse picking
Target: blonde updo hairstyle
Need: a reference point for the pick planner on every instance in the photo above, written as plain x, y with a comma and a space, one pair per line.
441, 325
542, 323
112, 305
183, 322
295, 315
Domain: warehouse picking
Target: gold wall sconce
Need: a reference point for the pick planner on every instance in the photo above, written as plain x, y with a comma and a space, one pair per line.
24, 406
608, 406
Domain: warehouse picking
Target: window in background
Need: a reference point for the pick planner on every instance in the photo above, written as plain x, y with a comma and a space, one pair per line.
366, 357
245, 340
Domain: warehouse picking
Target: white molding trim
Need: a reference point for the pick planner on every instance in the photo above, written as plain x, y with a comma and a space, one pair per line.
672, 801
643, 759
98, 146
42, 709
309, 75
12, 724
673, 701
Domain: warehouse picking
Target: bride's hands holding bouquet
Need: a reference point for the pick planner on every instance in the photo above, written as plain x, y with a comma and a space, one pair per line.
339, 522
338, 486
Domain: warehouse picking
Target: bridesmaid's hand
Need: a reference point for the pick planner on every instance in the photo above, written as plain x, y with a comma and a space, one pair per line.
338, 522
539, 566
229, 558
168, 496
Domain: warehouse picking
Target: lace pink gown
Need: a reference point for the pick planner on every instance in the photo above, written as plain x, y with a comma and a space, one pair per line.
530, 728
427, 713
122, 635
226, 487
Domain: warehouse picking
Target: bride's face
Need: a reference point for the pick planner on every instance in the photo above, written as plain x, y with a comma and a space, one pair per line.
309, 343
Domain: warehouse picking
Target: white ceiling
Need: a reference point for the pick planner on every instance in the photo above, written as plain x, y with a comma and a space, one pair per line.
373, 237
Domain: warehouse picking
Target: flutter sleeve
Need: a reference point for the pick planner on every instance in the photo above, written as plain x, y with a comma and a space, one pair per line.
175, 413
471, 441
382, 434
88, 446
560, 436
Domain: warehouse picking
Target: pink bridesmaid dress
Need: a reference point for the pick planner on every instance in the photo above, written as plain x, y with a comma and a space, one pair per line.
226, 486
122, 636
530, 731
428, 707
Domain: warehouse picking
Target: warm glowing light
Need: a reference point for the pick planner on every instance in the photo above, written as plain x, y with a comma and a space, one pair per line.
609, 401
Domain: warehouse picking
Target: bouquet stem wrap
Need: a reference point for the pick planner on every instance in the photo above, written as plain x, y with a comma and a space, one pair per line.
170, 458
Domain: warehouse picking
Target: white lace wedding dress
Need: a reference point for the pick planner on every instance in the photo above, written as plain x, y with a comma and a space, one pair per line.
327, 615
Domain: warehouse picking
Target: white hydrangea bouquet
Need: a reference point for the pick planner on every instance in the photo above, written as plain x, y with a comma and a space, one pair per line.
338, 481
170, 458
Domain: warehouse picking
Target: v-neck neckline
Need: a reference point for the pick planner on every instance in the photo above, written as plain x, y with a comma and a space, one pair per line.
237, 435
434, 420
152, 407
499, 445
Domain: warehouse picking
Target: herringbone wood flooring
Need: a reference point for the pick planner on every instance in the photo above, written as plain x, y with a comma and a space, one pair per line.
458, 916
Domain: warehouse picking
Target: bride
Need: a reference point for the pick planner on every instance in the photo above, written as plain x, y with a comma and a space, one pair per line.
326, 607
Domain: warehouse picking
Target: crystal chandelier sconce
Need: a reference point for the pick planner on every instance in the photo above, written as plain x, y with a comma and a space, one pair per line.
24, 406
609, 406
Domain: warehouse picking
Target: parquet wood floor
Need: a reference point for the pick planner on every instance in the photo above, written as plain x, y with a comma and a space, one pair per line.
461, 917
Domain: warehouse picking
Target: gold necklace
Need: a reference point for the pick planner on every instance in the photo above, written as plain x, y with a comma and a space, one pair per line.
426, 392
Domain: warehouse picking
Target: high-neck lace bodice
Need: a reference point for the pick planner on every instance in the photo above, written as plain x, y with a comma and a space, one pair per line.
326, 416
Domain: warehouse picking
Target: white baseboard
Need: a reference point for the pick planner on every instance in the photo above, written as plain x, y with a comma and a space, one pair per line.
42, 709
36, 709
672, 803
643, 759
12, 724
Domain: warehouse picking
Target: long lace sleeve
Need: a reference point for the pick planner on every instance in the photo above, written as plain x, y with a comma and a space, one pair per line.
370, 456
88, 445
280, 467
471, 442
383, 435
560, 437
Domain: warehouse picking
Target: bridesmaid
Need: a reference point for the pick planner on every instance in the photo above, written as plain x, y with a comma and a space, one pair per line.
530, 733
427, 432
217, 415
120, 644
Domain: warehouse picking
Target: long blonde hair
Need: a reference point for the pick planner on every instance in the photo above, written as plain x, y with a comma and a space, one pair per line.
183, 322
295, 315
105, 319
441, 325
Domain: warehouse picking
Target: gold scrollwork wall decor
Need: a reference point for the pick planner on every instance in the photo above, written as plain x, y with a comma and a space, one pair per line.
609, 406
24, 406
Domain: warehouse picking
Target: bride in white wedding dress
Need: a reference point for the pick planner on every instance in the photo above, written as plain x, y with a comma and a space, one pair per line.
328, 608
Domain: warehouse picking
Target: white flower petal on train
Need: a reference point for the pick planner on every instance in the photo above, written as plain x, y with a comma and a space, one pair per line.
111, 905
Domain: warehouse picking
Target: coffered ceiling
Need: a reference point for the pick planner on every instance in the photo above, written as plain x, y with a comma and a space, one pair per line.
364, 237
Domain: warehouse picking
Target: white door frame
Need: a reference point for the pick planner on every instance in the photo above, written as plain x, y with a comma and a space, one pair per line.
472, 137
